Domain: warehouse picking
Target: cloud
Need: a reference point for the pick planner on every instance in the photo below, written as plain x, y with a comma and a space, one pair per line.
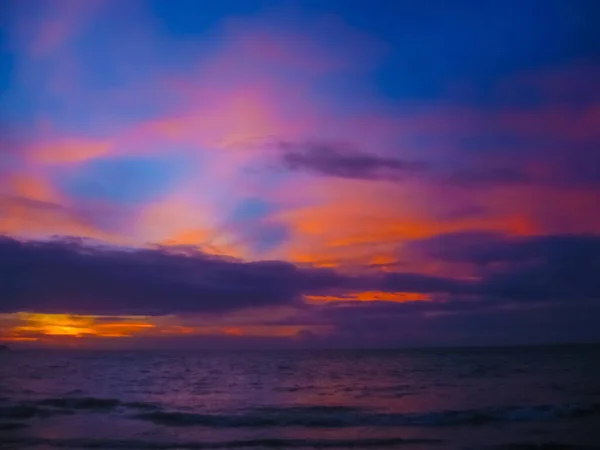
514, 280
538, 268
460, 323
522, 290
414, 282
562, 268
484, 248
71, 276
79, 276
343, 161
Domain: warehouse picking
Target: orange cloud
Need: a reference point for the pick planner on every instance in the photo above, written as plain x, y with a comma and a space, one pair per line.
31, 186
361, 222
371, 296
27, 219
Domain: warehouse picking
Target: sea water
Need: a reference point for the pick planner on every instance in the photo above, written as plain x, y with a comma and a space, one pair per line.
480, 398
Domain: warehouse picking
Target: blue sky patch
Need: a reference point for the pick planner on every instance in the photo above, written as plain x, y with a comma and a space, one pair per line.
126, 181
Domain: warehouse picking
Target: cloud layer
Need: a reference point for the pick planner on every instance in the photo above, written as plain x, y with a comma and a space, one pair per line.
522, 278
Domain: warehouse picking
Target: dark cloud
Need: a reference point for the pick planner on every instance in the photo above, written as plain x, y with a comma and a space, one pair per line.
528, 290
486, 248
76, 276
414, 282
343, 161
473, 247
560, 167
563, 268
560, 267
69, 275
461, 322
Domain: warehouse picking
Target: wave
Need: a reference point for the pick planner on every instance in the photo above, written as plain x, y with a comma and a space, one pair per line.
352, 417
23, 411
92, 403
80, 403
10, 426
251, 443
311, 416
68, 405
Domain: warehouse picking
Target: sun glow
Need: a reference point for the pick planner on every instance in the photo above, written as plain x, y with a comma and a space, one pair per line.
36, 326
68, 329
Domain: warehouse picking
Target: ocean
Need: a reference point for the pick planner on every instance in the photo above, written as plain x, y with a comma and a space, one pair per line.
479, 398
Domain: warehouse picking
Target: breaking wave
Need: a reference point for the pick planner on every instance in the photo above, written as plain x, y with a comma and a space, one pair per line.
352, 417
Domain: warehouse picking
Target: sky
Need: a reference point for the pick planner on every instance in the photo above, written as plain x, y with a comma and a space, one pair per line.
308, 173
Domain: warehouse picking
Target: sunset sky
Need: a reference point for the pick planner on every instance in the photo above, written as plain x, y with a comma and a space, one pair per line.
312, 173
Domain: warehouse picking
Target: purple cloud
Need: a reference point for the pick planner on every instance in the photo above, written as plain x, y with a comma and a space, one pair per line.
549, 280
75, 276
343, 161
